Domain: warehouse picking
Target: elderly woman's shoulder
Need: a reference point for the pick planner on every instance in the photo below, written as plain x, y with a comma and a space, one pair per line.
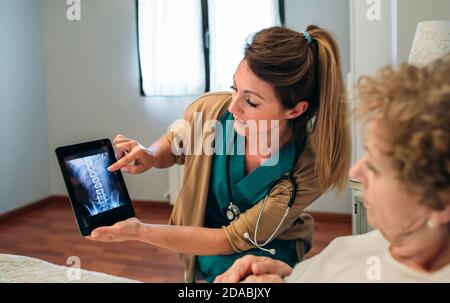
359, 243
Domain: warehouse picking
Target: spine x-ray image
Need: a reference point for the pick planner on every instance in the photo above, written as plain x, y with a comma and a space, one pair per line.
94, 185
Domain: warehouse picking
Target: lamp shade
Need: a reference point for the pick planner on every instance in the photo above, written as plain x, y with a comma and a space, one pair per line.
431, 41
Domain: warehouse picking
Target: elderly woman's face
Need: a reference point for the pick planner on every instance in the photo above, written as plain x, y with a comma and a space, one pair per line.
390, 207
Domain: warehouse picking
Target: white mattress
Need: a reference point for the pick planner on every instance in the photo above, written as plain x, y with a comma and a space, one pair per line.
22, 269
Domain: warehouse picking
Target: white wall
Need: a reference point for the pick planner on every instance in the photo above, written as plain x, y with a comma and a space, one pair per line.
332, 15
93, 88
376, 43
92, 83
411, 12
372, 47
23, 114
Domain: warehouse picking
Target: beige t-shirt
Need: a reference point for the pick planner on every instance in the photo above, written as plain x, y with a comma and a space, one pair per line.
361, 259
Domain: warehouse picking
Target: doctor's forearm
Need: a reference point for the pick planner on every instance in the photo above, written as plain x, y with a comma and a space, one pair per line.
162, 151
189, 240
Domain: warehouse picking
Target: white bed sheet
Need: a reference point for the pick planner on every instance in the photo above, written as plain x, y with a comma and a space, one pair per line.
22, 269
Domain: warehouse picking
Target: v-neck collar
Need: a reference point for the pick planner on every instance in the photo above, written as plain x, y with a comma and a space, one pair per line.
254, 186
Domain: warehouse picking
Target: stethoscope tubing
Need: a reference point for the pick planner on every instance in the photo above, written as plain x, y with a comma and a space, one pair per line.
272, 186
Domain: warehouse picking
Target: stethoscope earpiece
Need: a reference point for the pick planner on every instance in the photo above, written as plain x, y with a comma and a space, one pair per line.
271, 251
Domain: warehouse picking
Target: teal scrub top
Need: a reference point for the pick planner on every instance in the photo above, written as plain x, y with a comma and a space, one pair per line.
247, 191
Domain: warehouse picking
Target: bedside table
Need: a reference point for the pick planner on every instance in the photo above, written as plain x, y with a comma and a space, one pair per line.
359, 215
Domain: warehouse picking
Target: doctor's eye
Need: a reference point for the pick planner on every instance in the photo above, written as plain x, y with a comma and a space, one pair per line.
249, 102
233, 88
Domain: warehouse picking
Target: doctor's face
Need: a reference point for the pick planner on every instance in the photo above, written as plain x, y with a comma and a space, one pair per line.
254, 101
391, 207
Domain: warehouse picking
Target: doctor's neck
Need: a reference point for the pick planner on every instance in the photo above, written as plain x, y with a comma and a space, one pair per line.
264, 144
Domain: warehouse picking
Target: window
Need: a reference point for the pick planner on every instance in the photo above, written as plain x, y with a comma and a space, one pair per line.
187, 47
170, 47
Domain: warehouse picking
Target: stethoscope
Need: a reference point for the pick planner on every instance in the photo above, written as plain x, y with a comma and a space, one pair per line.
232, 212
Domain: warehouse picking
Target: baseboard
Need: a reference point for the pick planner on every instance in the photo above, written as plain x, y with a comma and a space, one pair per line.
318, 216
24, 209
331, 217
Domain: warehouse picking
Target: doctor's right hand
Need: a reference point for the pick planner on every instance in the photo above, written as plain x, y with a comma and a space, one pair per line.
133, 158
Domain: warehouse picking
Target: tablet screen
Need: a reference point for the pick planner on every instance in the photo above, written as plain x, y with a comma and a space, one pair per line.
98, 197
95, 188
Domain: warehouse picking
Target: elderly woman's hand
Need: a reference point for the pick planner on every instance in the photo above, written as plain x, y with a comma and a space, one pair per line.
251, 266
127, 230
263, 279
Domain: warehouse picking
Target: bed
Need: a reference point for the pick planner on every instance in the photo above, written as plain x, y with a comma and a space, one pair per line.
22, 269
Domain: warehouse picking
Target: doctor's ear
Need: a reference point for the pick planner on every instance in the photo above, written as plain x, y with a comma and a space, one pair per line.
299, 109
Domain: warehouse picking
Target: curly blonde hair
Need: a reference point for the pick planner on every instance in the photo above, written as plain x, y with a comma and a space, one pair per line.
413, 105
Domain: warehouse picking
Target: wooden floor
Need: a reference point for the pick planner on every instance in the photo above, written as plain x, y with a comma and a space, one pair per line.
50, 233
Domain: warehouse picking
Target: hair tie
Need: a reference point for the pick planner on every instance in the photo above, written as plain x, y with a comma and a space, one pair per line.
307, 36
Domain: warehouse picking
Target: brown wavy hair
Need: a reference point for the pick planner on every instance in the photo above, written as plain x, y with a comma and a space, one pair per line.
302, 71
412, 105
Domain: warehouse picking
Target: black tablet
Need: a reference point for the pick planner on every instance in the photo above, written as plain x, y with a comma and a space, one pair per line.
98, 197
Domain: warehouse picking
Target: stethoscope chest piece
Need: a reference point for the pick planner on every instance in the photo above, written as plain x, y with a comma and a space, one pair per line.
232, 211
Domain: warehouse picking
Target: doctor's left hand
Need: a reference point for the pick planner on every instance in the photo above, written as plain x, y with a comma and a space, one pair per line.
127, 230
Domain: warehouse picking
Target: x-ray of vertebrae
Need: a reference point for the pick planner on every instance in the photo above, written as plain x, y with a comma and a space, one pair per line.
94, 184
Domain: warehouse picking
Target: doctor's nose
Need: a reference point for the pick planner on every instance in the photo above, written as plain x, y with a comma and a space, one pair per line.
234, 107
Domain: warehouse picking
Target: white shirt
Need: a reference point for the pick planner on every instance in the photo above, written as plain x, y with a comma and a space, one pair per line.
361, 258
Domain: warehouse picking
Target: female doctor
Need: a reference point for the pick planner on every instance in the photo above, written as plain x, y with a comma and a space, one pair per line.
232, 204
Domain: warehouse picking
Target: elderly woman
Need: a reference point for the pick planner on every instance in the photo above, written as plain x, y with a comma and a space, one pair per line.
406, 174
